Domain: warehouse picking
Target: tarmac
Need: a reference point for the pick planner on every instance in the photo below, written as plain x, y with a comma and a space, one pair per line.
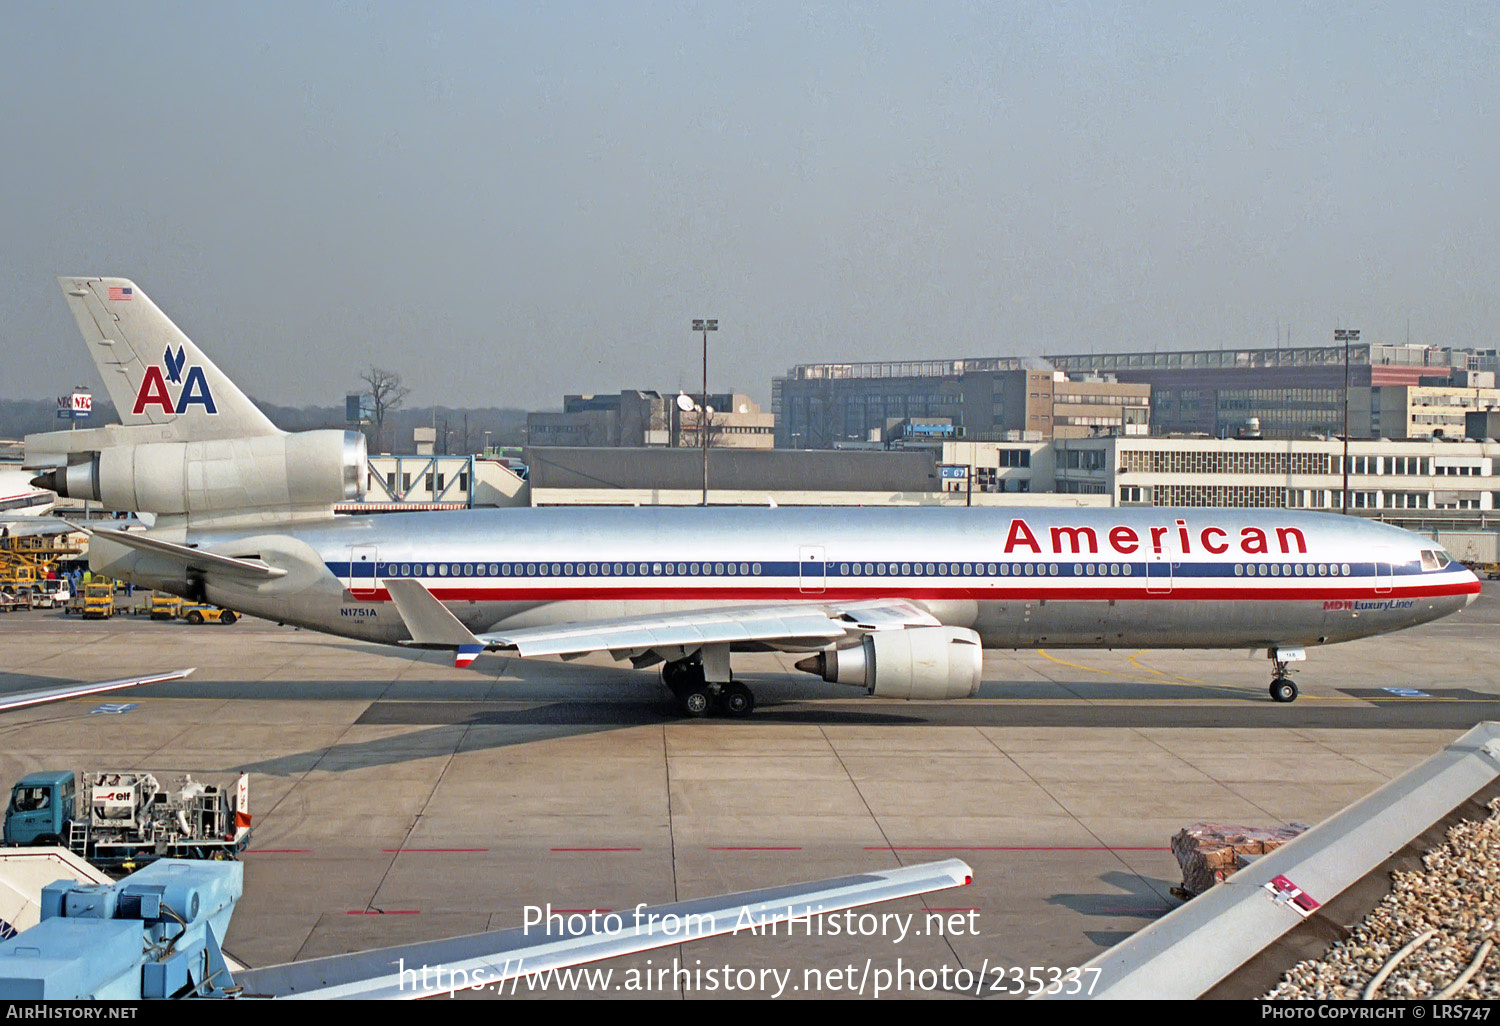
396, 798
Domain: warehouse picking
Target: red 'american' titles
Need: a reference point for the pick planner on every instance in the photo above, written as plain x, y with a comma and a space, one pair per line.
1127, 540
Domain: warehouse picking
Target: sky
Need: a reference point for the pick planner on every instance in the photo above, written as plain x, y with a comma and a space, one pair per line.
507, 202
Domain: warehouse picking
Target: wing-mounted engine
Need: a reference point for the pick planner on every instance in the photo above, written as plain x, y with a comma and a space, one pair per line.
920, 662
282, 473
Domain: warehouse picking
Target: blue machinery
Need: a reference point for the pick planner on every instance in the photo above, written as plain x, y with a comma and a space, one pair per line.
154, 934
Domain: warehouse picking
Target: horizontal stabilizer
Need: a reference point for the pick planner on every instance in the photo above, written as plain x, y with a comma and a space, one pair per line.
492, 958
61, 692
199, 560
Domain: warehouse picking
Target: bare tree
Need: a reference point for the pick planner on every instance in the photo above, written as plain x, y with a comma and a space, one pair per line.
693, 424
386, 393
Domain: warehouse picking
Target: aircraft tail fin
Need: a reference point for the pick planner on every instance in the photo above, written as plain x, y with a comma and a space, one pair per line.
153, 372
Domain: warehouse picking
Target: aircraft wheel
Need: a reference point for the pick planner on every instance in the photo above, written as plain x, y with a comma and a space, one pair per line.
1283, 690
697, 702
738, 701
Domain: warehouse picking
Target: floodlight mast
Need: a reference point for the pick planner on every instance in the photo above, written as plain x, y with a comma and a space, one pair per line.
1346, 336
705, 326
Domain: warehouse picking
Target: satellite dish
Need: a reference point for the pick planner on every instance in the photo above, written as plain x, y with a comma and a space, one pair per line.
685, 403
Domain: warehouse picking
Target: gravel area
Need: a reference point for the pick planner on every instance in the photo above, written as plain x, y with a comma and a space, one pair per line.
1450, 910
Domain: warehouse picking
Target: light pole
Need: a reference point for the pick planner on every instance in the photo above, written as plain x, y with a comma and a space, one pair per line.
704, 326
1346, 336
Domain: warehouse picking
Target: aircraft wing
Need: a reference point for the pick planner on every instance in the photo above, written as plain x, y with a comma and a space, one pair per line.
486, 960
61, 692
432, 625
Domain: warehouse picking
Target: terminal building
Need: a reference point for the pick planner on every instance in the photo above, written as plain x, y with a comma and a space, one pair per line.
1395, 391
642, 419
822, 406
1407, 482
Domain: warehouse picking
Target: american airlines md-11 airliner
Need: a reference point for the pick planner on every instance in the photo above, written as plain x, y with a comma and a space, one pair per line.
898, 601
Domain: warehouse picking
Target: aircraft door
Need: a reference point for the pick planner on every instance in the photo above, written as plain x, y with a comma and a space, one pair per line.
1159, 572
1383, 575
812, 570
362, 560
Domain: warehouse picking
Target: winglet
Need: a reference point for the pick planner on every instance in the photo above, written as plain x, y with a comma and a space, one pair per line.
429, 621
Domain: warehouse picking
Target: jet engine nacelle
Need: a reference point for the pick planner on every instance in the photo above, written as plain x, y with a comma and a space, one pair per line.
267, 472
919, 662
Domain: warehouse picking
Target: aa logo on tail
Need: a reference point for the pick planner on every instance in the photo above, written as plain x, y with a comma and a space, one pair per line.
192, 392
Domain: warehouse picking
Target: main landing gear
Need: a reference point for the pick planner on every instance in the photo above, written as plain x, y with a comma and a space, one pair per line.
698, 697
1282, 688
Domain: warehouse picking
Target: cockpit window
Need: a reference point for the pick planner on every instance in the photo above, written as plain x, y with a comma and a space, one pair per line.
1435, 559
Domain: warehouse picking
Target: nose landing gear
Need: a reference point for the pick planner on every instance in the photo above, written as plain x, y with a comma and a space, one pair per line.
1282, 687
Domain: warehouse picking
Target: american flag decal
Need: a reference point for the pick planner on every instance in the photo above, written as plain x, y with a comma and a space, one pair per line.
120, 294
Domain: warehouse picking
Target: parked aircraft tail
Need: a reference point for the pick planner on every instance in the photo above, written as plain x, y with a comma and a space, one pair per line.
153, 372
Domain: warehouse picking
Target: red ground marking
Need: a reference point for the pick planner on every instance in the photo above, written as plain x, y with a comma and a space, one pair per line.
1007, 847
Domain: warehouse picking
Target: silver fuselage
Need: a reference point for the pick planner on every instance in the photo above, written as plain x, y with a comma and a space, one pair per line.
1140, 577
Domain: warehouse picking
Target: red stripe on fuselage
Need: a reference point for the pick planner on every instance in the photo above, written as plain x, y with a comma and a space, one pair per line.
1049, 590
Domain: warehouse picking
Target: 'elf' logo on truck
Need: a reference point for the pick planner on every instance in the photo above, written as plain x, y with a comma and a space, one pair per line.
190, 392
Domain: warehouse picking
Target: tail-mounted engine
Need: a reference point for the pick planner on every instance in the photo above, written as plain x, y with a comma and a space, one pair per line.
269, 472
